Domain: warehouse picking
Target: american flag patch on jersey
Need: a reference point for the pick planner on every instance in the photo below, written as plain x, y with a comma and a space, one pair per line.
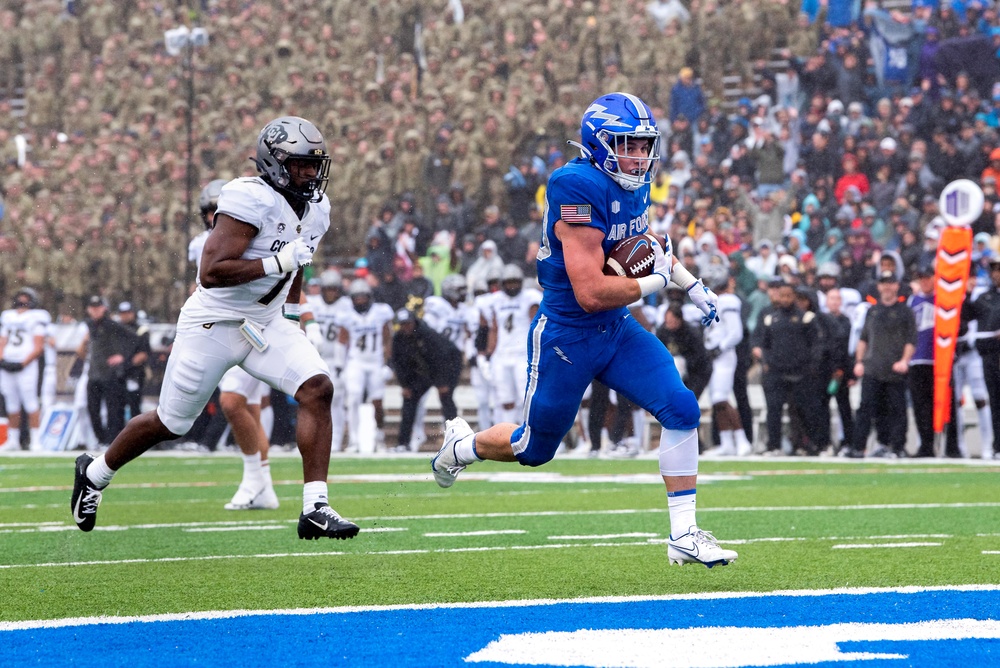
575, 213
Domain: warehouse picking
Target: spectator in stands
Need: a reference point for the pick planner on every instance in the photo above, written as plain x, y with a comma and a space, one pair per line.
686, 97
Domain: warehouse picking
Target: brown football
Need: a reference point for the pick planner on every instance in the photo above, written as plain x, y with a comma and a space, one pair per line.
632, 257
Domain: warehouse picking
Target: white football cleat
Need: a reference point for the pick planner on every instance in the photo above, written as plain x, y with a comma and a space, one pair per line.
698, 547
445, 464
253, 496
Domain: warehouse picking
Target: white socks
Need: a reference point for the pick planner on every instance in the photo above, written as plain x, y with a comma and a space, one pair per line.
14, 438
251, 466
313, 493
465, 450
265, 473
682, 511
728, 445
99, 473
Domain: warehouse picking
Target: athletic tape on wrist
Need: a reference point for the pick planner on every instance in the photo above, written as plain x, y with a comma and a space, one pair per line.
652, 283
271, 265
682, 276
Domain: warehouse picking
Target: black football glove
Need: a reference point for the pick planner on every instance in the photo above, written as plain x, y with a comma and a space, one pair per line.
11, 367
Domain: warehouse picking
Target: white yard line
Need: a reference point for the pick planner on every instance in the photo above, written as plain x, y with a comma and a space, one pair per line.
651, 540
549, 513
605, 536
702, 596
500, 532
870, 546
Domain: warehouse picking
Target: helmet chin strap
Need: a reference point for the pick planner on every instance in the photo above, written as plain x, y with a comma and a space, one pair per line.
583, 149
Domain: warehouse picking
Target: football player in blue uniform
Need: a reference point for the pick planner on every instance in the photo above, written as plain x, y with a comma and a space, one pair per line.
583, 330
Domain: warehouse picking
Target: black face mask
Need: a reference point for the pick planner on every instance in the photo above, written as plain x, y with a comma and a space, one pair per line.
512, 290
22, 305
363, 307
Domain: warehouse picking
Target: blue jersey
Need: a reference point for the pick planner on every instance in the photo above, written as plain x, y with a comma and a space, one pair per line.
580, 194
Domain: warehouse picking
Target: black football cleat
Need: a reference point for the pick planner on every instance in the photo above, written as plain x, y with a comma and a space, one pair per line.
86, 497
324, 522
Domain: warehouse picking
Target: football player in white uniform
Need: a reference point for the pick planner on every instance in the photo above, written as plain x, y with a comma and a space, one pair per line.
513, 309
721, 342
266, 230
22, 342
367, 334
241, 396
480, 317
329, 308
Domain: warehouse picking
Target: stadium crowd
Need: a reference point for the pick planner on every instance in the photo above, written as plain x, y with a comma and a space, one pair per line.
445, 120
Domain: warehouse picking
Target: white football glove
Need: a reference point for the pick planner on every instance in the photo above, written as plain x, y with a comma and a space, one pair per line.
314, 333
706, 301
294, 255
662, 260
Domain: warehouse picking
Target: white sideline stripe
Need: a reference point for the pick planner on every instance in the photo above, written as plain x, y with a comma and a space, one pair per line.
606, 536
448, 534
868, 546
700, 596
991, 551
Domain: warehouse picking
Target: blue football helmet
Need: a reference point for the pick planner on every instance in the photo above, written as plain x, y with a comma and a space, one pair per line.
607, 126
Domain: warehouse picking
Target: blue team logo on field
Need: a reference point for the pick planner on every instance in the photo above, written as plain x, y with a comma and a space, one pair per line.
910, 626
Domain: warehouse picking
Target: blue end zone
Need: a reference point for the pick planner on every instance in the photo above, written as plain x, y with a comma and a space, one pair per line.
446, 636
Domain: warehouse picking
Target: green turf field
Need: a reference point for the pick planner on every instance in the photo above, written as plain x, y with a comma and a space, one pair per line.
573, 528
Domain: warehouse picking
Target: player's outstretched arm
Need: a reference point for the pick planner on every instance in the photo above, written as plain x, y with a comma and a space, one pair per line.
584, 257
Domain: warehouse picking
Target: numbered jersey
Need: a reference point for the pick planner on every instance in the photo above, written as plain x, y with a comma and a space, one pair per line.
452, 321
513, 318
252, 201
364, 331
20, 328
330, 318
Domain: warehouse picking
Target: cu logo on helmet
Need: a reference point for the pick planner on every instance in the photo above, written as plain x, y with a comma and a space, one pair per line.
275, 134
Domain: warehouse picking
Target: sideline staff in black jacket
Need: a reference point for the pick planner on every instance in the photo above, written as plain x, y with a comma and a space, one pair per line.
422, 359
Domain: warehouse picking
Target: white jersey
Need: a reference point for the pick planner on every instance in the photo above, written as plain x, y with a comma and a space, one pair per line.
728, 332
20, 329
452, 321
195, 249
252, 201
513, 317
364, 331
330, 318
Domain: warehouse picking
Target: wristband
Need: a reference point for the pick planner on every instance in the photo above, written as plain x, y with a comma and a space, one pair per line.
293, 311
682, 276
271, 265
652, 283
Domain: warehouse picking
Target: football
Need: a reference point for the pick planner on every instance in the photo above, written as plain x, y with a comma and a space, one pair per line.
632, 257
